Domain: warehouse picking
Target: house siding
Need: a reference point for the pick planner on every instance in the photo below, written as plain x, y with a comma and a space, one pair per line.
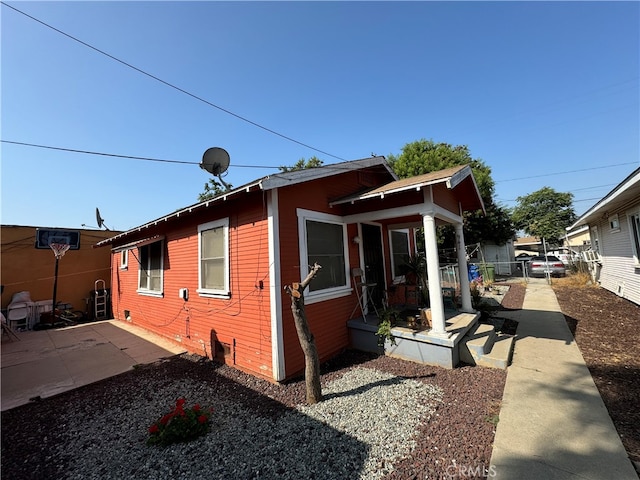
619, 273
242, 321
327, 319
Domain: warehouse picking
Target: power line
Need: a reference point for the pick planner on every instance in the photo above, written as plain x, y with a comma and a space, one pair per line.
164, 82
562, 173
129, 157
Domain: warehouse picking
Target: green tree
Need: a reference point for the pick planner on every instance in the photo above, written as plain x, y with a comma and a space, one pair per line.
301, 164
544, 214
213, 188
425, 156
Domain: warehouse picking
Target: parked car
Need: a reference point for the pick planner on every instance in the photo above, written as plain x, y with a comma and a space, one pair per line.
538, 266
524, 257
566, 255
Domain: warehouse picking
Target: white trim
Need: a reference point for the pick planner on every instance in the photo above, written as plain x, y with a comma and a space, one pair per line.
275, 281
211, 292
329, 293
634, 251
397, 279
124, 259
614, 223
148, 291
621, 194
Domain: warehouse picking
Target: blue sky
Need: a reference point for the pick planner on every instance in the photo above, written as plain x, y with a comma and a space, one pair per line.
534, 89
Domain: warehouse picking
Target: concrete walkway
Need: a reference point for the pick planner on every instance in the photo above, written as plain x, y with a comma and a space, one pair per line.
47, 362
553, 422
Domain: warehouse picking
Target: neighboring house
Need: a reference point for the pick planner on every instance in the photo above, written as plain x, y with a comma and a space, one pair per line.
577, 239
529, 245
211, 276
614, 226
26, 268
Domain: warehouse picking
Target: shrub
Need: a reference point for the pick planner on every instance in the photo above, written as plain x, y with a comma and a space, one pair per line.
180, 425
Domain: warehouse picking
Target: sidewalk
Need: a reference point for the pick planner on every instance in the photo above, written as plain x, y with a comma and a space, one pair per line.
553, 422
47, 362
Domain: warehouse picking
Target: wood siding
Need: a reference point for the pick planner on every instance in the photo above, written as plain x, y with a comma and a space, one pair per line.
242, 321
619, 273
327, 319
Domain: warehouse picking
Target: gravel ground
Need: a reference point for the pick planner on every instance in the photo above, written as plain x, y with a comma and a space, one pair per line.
381, 418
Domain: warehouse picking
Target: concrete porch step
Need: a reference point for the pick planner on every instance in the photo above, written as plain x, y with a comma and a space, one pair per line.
484, 347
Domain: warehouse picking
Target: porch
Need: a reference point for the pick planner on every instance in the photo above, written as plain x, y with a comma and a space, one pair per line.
417, 344
466, 339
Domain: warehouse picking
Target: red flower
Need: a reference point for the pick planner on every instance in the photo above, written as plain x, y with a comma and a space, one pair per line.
180, 402
154, 429
202, 419
164, 420
196, 407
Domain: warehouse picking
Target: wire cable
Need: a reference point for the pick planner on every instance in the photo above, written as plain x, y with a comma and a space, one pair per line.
129, 157
164, 82
562, 173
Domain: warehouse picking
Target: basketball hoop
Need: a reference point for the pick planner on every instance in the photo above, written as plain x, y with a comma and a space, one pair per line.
59, 249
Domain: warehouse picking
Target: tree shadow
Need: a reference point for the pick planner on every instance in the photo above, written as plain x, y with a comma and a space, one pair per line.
584, 440
251, 435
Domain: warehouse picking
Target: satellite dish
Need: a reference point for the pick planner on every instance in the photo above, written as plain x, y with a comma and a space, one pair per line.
215, 161
100, 220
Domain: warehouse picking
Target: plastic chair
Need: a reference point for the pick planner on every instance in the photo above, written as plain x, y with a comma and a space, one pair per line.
19, 315
364, 292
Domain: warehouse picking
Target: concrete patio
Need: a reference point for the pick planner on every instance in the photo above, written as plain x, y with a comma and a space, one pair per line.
47, 362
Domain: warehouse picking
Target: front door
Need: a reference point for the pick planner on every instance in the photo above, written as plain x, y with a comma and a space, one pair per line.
373, 260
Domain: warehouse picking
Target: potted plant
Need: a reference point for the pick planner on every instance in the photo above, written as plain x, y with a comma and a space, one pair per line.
388, 318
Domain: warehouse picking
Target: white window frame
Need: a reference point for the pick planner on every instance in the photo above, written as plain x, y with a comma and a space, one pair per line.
225, 292
328, 293
614, 223
634, 234
124, 259
148, 291
400, 278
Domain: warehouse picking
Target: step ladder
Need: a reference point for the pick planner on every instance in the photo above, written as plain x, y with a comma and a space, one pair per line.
100, 303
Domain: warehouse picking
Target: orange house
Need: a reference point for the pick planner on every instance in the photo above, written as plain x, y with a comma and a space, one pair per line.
211, 276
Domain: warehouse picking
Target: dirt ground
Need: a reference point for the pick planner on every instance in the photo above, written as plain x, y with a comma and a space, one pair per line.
606, 327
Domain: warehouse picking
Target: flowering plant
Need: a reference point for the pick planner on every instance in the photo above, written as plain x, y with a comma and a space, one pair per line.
180, 424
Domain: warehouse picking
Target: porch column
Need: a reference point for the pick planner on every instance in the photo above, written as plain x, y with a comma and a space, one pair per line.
433, 272
465, 292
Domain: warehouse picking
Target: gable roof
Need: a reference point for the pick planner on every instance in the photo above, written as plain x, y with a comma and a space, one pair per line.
625, 194
268, 182
452, 177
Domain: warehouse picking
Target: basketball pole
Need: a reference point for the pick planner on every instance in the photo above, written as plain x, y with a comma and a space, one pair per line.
55, 290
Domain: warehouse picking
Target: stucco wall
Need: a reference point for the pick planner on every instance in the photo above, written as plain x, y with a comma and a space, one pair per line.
25, 268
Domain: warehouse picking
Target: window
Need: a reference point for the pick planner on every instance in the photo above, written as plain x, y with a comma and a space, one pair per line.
399, 253
213, 247
325, 246
614, 223
595, 239
124, 259
150, 273
323, 240
634, 224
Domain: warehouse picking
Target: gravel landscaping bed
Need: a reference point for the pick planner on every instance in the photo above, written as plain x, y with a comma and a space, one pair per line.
381, 418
